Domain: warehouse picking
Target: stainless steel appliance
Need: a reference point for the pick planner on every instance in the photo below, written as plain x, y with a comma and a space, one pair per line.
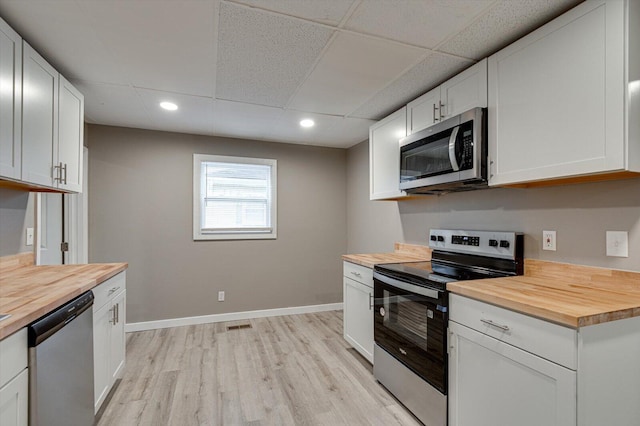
411, 313
61, 365
447, 157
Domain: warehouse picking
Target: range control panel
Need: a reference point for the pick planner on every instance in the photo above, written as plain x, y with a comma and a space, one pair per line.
498, 244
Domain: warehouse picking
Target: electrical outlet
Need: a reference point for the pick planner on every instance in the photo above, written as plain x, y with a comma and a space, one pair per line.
29, 238
618, 243
549, 240
221, 296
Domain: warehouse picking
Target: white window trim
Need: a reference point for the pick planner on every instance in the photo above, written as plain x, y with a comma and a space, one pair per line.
198, 159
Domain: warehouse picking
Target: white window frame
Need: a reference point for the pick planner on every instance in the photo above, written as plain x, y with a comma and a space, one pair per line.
198, 233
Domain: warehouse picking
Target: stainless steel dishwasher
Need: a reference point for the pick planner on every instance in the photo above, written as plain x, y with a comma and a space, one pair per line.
61, 365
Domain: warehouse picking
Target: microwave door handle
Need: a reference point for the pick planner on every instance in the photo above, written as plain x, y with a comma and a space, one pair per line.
452, 149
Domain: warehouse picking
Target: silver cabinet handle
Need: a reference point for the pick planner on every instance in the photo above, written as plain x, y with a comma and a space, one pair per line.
117, 313
441, 110
435, 119
112, 320
64, 168
496, 325
357, 274
370, 301
58, 173
113, 290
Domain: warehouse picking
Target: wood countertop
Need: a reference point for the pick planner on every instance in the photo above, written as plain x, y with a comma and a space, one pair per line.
571, 295
28, 292
402, 253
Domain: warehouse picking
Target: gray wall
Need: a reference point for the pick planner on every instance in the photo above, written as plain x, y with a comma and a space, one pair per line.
16, 214
579, 213
140, 211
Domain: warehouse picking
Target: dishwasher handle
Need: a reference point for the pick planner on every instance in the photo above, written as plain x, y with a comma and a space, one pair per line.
46, 326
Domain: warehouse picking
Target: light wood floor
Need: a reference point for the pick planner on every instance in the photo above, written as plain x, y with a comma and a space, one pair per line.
290, 370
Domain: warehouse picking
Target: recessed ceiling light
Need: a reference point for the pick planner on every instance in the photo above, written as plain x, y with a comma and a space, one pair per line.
169, 106
307, 123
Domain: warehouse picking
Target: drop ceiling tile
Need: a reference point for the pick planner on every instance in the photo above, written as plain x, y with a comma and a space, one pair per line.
502, 24
113, 105
238, 119
353, 68
257, 122
194, 113
420, 79
329, 130
423, 23
60, 32
328, 12
165, 45
263, 58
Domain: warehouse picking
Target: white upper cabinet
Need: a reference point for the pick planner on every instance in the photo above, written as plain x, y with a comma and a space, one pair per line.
39, 119
70, 137
424, 111
384, 156
560, 98
52, 126
461, 93
10, 101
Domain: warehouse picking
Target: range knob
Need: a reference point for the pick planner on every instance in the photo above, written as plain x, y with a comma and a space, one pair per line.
493, 243
440, 238
433, 238
504, 243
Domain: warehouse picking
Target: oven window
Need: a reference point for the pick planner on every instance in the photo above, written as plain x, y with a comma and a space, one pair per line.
425, 158
410, 327
406, 317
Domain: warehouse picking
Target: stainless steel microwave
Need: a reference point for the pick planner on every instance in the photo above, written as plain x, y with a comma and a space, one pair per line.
449, 156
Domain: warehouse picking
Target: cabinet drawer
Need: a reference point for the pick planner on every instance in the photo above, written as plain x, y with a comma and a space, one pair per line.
359, 273
13, 355
108, 290
545, 339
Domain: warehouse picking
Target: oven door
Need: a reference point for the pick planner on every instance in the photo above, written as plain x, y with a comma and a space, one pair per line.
410, 323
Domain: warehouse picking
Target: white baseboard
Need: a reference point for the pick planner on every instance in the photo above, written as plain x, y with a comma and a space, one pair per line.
233, 316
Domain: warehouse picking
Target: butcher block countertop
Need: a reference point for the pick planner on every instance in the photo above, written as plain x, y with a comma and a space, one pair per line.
27, 292
402, 253
571, 295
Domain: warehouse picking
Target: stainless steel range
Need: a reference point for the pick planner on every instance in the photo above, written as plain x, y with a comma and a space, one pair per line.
411, 313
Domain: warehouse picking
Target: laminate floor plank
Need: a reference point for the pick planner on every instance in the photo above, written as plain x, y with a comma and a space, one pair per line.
289, 370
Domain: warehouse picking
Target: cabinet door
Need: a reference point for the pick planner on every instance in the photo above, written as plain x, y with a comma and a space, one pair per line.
10, 101
384, 156
465, 91
116, 361
358, 317
423, 111
556, 98
102, 324
14, 398
70, 136
39, 118
492, 383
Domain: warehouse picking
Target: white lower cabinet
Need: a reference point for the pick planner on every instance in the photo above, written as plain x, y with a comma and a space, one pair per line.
492, 383
14, 380
108, 335
507, 368
358, 308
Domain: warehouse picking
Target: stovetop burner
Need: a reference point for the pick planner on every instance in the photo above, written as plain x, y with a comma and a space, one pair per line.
461, 256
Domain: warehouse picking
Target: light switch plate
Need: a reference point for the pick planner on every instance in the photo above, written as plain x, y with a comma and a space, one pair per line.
29, 237
618, 243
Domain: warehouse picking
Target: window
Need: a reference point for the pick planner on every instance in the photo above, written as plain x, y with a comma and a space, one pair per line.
234, 198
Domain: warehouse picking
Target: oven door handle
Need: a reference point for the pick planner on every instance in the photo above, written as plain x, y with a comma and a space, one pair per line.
423, 291
452, 149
